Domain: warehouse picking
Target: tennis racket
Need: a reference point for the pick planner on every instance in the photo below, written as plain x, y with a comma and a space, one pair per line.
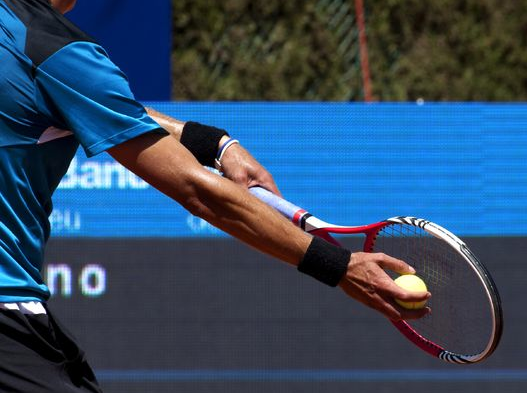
466, 321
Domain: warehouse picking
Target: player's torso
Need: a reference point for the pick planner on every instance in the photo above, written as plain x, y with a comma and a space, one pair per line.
34, 151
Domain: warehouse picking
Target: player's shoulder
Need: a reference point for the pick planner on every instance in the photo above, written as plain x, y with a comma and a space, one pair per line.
47, 31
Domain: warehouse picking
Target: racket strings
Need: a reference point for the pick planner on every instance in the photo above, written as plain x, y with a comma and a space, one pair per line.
461, 318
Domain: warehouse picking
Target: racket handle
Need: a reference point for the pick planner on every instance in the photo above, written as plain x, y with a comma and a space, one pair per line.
287, 209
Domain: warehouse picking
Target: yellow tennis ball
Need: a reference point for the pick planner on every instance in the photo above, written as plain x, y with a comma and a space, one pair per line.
411, 282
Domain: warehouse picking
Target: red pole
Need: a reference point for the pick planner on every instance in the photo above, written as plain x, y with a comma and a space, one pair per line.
363, 47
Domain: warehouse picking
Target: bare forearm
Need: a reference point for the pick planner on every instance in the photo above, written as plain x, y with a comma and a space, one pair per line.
170, 168
234, 210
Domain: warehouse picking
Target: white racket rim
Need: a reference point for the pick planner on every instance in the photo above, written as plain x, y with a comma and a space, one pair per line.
482, 274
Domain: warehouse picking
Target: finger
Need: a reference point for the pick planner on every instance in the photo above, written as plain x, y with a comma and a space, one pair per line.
412, 296
392, 311
384, 304
274, 190
239, 177
389, 288
266, 182
396, 292
271, 186
269, 182
395, 312
394, 264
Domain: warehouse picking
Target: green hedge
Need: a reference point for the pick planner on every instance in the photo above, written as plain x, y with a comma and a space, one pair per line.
455, 50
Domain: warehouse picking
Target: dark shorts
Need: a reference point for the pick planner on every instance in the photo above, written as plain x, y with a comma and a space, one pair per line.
37, 355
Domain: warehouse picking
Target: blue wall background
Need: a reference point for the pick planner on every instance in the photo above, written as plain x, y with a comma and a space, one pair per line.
461, 165
137, 36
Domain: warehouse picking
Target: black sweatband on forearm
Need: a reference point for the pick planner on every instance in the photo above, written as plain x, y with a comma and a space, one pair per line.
325, 262
202, 141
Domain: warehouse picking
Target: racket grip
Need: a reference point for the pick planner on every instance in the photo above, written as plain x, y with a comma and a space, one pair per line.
286, 208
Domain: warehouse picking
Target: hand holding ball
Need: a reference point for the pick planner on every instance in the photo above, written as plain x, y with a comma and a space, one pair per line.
412, 283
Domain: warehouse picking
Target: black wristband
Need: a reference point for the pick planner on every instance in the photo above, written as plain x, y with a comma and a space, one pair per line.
202, 141
325, 262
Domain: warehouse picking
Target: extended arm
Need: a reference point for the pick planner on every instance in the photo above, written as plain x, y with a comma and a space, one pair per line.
169, 167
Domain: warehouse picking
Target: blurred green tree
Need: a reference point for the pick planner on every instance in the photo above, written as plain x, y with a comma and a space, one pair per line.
448, 50
455, 50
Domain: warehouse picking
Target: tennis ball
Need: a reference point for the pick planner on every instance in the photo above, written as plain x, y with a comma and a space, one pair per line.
411, 282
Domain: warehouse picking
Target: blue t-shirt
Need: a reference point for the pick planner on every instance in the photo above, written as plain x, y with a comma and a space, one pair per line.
58, 89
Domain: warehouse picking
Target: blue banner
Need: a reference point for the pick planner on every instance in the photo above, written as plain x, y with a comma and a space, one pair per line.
137, 36
462, 166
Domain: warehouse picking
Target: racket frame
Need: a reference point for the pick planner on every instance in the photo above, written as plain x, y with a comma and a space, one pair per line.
317, 227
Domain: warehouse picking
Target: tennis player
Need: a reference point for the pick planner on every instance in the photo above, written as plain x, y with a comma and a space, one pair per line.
59, 90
